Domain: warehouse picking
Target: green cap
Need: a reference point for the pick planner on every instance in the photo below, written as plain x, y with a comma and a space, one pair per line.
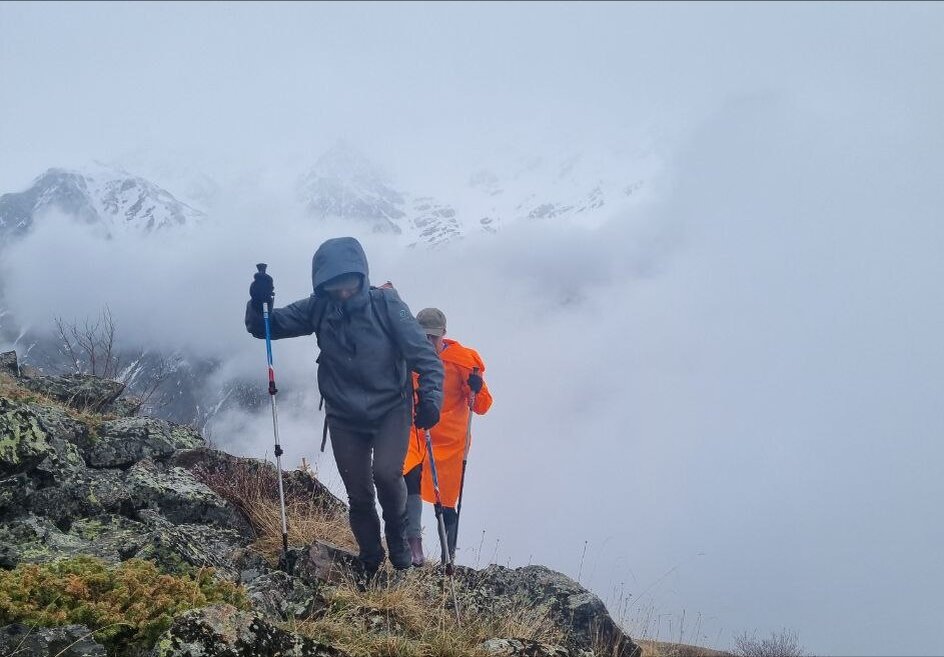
433, 321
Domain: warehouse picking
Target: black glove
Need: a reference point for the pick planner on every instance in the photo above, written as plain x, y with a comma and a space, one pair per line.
427, 415
262, 290
476, 383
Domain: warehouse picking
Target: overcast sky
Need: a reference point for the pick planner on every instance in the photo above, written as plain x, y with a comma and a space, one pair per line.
732, 393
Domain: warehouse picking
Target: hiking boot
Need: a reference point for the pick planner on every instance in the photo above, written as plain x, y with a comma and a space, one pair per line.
399, 554
416, 550
366, 573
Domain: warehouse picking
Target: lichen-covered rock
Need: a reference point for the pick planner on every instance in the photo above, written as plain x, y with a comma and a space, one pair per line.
127, 406
224, 631
180, 497
123, 442
580, 615
8, 363
176, 548
35, 539
13, 494
84, 392
56, 422
323, 562
23, 443
522, 648
69, 494
64, 641
280, 596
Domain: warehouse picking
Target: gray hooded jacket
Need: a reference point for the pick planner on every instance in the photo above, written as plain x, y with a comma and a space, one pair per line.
369, 343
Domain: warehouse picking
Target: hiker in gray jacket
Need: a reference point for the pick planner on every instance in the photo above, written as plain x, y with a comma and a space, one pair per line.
370, 343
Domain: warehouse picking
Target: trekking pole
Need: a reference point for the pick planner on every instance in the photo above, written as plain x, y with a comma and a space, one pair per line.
438, 506
275, 425
465, 461
441, 525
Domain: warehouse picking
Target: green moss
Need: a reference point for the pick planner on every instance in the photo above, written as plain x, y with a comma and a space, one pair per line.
127, 606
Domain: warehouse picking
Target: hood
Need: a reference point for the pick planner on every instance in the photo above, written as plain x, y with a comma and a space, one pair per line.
340, 255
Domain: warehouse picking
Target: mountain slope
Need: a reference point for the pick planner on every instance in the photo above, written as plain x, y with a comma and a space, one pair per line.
110, 199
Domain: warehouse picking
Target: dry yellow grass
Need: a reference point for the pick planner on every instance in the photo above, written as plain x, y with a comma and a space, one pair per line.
307, 522
11, 389
665, 649
415, 618
254, 491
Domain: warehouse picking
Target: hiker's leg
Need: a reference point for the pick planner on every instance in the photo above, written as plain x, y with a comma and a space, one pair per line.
352, 453
414, 514
451, 520
414, 503
391, 440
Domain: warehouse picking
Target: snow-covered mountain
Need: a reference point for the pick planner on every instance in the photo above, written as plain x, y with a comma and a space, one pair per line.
566, 185
344, 184
110, 199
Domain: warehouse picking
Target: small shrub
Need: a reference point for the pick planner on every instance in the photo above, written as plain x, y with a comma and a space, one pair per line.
784, 644
127, 606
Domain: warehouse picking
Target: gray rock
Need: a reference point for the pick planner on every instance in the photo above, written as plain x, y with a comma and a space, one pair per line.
522, 648
84, 392
65, 641
127, 406
23, 442
251, 565
58, 423
224, 631
282, 597
35, 539
323, 562
180, 497
123, 442
66, 494
13, 494
177, 548
580, 615
8, 363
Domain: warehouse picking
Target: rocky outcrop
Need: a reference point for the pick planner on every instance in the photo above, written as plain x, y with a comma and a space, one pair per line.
121, 443
84, 392
180, 498
8, 363
23, 443
278, 595
65, 641
224, 631
522, 648
574, 609
323, 562
74, 483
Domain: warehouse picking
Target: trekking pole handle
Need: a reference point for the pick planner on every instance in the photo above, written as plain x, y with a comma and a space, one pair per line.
475, 371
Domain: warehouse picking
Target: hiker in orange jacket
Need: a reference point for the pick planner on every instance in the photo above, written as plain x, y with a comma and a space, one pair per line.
450, 438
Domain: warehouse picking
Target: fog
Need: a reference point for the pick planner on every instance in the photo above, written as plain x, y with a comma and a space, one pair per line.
721, 405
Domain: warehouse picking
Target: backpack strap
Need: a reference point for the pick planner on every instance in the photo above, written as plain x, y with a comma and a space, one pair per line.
377, 297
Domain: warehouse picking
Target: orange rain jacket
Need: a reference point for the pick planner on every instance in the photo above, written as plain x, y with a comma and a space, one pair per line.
449, 435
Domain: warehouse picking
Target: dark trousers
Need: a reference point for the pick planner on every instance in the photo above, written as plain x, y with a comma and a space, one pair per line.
369, 457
